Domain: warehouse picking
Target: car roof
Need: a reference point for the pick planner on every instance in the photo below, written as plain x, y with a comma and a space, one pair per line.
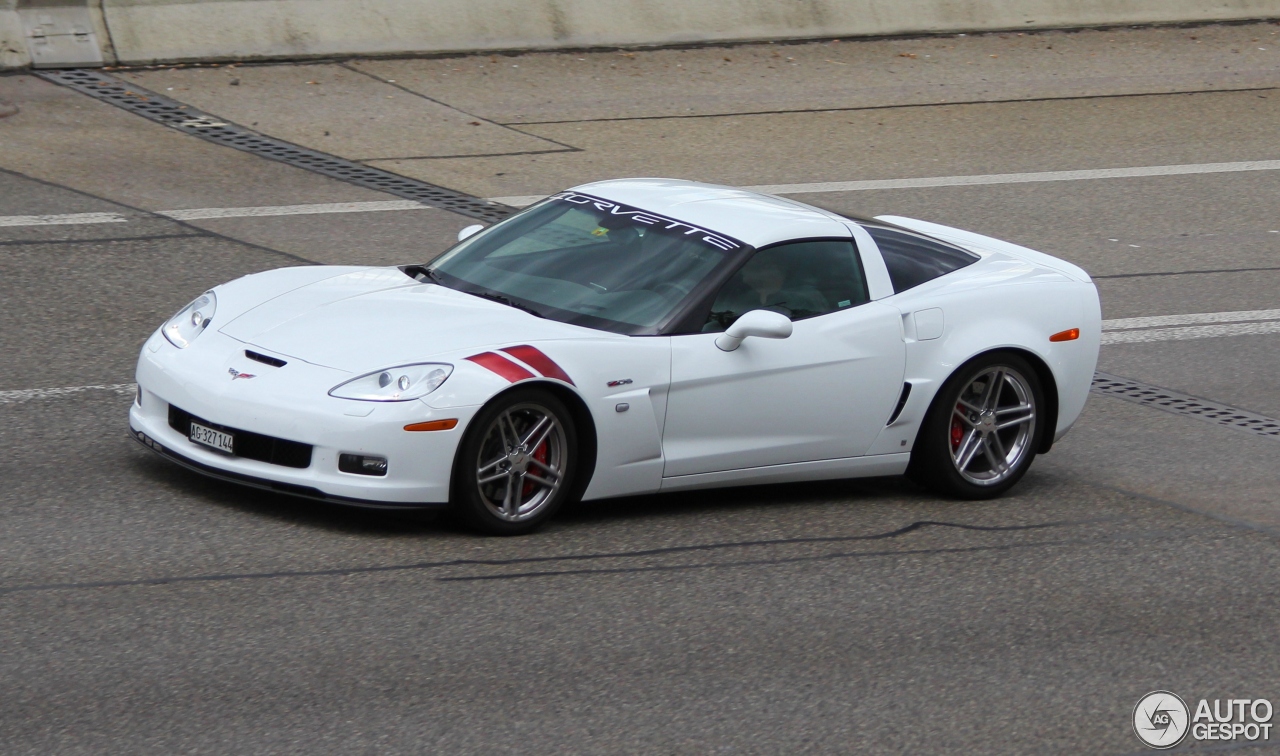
757, 219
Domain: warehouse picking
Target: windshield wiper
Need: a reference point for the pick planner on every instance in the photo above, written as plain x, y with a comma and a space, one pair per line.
419, 272
501, 299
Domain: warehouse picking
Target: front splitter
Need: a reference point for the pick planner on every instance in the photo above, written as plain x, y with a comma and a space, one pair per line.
306, 492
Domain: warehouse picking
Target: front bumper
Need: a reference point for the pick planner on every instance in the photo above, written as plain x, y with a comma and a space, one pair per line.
292, 403
266, 484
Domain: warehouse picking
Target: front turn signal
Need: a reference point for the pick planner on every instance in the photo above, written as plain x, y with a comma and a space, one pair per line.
1071, 334
433, 425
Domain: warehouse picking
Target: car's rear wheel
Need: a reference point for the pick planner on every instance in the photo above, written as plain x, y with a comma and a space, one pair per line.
981, 434
516, 464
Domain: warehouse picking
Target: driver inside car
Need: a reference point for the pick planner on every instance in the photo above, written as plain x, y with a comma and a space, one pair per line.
765, 283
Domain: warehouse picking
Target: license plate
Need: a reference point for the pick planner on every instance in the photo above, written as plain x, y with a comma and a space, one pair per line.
223, 442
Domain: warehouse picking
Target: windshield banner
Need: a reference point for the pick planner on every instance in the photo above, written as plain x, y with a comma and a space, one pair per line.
650, 219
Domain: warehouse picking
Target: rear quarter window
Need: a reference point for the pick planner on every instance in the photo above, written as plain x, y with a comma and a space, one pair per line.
913, 260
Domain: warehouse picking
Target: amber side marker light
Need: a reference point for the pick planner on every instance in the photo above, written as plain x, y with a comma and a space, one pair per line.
431, 425
1071, 334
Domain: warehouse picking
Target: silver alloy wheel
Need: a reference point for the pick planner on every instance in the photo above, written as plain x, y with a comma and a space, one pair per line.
521, 462
992, 425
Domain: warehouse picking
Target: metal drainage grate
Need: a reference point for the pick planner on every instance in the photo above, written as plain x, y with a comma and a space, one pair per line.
1184, 404
161, 109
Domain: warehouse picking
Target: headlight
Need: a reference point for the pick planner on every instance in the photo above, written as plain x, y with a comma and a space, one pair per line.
190, 322
397, 384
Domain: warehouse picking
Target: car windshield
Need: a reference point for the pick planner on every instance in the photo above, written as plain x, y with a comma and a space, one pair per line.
592, 262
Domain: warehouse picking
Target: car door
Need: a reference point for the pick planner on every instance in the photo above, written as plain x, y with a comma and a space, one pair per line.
825, 392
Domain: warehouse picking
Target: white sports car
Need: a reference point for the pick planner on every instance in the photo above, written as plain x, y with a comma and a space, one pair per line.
627, 337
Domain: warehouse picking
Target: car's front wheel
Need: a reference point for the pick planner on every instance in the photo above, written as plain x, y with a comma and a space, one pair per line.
516, 463
981, 434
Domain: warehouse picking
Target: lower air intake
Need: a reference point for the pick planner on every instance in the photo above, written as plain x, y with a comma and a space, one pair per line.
248, 445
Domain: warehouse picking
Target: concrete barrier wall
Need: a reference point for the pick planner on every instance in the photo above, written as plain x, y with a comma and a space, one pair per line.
13, 44
149, 31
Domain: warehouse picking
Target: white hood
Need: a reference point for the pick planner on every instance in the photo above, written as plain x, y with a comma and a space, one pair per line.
374, 318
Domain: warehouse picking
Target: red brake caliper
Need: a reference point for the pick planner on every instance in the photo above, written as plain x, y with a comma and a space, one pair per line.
539, 454
957, 430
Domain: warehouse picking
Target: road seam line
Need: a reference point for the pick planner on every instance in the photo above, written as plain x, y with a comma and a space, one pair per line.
589, 557
891, 106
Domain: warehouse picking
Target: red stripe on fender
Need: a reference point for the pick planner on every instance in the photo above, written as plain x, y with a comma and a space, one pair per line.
535, 359
501, 365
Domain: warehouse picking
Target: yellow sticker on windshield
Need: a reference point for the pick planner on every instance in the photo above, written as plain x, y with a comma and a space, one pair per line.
600, 232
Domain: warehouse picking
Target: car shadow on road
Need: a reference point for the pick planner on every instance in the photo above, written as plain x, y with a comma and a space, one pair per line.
282, 507
740, 500
769, 501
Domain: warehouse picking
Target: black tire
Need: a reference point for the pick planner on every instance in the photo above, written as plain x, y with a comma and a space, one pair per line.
501, 488
962, 451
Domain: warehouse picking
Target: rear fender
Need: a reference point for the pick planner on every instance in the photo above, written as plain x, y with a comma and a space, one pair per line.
1018, 318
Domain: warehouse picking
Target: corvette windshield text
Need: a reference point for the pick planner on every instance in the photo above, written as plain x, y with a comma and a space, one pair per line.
650, 219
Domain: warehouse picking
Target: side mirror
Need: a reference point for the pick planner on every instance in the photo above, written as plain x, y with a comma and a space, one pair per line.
470, 231
766, 324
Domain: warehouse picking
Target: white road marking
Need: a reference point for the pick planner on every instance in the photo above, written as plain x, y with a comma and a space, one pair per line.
1199, 317
1118, 331
203, 213
1238, 323
1190, 332
1021, 178
67, 219
321, 209
12, 397
996, 178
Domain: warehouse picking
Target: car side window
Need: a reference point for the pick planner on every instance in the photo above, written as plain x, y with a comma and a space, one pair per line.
913, 260
798, 279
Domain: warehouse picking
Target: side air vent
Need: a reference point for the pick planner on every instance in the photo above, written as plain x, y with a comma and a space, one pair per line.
902, 402
264, 359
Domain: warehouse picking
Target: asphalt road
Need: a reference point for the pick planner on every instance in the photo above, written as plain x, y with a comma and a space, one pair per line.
147, 610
